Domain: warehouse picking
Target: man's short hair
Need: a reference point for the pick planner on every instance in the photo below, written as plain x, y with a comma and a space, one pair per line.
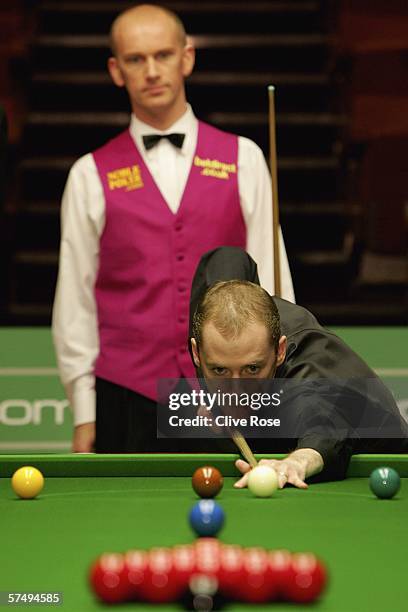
231, 305
179, 24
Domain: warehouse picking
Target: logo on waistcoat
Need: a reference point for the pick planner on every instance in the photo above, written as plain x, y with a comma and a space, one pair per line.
125, 178
215, 168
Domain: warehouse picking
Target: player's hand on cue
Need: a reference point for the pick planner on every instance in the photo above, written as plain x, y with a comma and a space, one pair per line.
287, 470
294, 469
84, 438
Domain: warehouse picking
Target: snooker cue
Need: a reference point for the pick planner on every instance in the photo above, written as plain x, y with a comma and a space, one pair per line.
275, 202
237, 437
242, 444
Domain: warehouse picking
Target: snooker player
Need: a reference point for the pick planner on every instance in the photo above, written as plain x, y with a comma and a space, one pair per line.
238, 330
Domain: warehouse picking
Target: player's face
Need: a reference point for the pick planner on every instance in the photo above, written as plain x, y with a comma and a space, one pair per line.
151, 62
248, 356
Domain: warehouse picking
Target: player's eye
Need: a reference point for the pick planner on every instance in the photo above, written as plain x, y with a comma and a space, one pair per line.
163, 55
219, 371
134, 59
253, 369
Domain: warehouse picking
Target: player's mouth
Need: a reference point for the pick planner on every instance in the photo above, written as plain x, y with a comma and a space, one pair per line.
155, 90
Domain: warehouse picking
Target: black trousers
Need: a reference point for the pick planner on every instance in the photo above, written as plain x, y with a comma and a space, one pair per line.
126, 422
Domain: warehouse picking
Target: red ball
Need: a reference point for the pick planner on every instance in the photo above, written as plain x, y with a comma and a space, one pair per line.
184, 564
279, 569
257, 585
159, 583
307, 579
207, 551
135, 569
209, 545
207, 564
207, 481
231, 570
108, 579
201, 563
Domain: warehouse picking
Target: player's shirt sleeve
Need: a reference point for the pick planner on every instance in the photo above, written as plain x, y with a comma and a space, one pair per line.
74, 320
336, 455
255, 191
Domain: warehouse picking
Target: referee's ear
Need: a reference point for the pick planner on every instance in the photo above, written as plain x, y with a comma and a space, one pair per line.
194, 349
115, 72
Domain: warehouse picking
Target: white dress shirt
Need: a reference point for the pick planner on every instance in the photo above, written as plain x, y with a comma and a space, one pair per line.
74, 325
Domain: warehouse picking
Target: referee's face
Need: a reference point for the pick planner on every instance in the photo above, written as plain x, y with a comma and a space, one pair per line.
250, 355
151, 61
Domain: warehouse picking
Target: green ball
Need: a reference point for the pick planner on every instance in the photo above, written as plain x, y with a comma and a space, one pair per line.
385, 482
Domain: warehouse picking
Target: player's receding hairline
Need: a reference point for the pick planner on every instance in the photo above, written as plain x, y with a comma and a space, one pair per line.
230, 305
146, 10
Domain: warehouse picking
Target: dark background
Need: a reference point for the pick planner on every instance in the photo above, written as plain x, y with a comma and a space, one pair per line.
340, 69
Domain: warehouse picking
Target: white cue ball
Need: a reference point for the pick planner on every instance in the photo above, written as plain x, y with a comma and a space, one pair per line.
262, 481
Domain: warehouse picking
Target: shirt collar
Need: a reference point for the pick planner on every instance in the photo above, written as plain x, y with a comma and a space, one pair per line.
187, 124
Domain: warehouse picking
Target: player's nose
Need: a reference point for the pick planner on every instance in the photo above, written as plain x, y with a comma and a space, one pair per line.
236, 383
151, 68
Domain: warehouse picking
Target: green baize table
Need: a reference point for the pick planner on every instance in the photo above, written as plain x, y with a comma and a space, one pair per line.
97, 503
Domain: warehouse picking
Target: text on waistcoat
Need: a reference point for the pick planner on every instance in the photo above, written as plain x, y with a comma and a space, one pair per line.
215, 168
128, 178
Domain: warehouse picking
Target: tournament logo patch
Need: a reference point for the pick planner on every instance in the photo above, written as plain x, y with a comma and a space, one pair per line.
125, 178
215, 168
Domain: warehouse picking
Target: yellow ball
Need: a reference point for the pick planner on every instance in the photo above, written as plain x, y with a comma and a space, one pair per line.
27, 482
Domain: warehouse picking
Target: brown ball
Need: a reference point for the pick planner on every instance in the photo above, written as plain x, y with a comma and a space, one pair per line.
207, 481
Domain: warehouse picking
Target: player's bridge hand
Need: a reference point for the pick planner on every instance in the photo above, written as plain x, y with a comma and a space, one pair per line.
289, 471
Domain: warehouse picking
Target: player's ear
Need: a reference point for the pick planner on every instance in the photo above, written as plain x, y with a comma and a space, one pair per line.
281, 350
194, 349
188, 58
115, 72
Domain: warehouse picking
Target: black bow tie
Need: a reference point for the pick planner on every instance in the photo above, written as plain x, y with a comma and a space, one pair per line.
151, 140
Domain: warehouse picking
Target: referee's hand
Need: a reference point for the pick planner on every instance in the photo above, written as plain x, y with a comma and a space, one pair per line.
84, 438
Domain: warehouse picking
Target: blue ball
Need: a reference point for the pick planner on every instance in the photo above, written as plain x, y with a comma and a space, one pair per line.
206, 517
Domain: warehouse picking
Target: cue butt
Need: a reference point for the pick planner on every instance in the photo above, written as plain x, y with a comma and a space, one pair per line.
275, 201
